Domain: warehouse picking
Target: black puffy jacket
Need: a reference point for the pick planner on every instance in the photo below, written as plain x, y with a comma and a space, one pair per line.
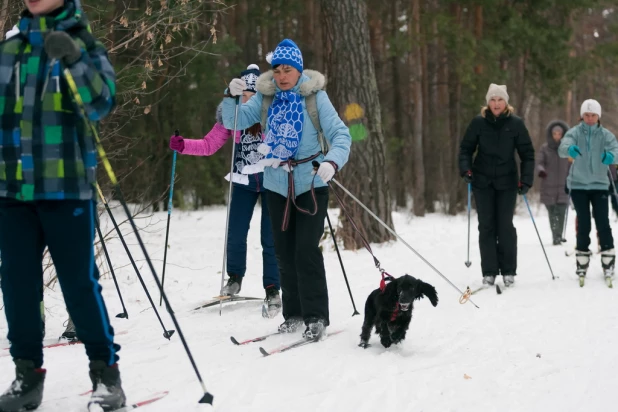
495, 141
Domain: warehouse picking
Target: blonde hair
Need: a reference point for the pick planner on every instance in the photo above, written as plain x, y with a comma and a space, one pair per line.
508, 111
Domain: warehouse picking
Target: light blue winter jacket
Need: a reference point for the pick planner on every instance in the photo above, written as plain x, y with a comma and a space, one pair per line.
335, 131
587, 171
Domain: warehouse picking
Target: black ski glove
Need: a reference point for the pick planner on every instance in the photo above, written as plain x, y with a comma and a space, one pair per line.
523, 188
60, 46
467, 176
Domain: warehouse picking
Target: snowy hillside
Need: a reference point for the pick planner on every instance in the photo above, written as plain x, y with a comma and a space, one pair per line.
542, 346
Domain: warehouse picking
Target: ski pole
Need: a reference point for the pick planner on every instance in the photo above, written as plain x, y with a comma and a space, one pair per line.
170, 205
125, 314
613, 183
207, 397
468, 263
167, 334
566, 219
537, 233
229, 201
345, 276
400, 238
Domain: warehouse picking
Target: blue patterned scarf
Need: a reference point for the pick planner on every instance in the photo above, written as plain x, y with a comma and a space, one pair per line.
285, 127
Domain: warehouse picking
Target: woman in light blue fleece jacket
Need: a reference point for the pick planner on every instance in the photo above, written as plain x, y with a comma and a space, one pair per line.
297, 195
593, 149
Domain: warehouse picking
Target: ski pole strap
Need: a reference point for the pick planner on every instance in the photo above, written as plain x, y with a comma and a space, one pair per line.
291, 164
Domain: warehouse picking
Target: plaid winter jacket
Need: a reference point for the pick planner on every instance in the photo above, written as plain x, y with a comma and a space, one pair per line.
47, 151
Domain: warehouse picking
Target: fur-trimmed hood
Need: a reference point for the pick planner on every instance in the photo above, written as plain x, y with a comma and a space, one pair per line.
311, 81
550, 140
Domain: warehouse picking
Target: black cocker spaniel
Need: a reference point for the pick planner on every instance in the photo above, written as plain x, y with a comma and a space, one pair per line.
390, 310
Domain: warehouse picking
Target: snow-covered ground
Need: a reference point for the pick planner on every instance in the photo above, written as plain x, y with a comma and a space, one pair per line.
542, 346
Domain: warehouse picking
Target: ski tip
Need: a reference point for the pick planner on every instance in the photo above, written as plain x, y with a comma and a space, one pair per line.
263, 351
207, 398
498, 290
234, 341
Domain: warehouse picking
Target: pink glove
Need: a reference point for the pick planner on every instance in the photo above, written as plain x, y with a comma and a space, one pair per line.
177, 143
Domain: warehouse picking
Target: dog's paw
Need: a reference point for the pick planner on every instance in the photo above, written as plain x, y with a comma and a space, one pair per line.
364, 344
386, 342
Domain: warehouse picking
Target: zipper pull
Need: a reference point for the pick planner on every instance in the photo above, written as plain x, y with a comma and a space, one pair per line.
17, 80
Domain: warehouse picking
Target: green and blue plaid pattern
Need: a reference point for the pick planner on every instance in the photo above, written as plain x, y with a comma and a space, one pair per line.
47, 152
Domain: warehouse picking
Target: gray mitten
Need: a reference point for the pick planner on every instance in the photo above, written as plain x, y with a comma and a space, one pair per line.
60, 46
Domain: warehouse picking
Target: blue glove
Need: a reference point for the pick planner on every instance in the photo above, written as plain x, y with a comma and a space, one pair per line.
574, 151
607, 158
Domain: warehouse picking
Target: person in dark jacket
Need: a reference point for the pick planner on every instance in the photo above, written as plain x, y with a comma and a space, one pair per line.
553, 171
495, 135
47, 197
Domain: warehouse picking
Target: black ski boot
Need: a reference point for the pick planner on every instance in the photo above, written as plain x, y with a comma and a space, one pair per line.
69, 333
608, 261
272, 303
583, 261
290, 325
26, 391
234, 283
107, 393
489, 280
316, 329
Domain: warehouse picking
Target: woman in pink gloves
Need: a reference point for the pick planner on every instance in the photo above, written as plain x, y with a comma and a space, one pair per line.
248, 186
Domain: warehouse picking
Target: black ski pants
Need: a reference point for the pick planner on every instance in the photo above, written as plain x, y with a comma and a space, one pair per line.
582, 200
300, 260
497, 235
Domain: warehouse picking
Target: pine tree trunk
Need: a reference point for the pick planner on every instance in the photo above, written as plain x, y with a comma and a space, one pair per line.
478, 32
402, 168
416, 65
4, 12
455, 130
352, 83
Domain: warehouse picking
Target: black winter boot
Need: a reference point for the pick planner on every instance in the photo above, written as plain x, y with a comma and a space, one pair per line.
69, 333
106, 387
232, 287
26, 391
316, 329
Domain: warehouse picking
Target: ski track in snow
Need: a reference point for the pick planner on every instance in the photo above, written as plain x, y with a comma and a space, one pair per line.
542, 346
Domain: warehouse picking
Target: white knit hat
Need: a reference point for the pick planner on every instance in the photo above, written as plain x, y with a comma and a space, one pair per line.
590, 106
496, 90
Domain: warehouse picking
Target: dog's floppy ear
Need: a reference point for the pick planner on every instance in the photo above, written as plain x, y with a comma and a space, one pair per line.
429, 291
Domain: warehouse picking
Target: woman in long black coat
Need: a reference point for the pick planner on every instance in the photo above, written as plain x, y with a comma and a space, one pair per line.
495, 135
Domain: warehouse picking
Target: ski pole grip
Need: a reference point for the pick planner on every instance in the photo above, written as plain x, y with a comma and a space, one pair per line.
176, 132
315, 164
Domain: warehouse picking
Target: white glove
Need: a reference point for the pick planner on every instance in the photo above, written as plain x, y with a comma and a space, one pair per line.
326, 171
236, 87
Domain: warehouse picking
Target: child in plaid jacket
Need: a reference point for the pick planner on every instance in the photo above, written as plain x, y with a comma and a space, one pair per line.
47, 199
